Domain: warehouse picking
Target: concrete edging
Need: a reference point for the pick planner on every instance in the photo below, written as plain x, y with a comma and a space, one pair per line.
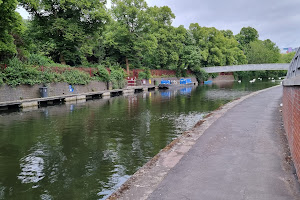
295, 81
142, 183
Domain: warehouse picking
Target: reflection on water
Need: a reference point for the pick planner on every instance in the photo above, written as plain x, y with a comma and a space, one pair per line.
87, 150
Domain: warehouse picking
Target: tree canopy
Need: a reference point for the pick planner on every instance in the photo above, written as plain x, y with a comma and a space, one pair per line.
69, 27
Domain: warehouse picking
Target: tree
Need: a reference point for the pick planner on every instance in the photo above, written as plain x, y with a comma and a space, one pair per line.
128, 28
262, 52
217, 48
287, 58
10, 26
247, 35
71, 27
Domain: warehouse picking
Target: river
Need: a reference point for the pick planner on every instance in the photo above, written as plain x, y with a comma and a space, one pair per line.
87, 150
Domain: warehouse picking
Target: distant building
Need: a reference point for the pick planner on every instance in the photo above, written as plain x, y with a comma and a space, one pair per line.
288, 50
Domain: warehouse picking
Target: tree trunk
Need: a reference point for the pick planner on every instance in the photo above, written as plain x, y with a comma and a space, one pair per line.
127, 65
62, 59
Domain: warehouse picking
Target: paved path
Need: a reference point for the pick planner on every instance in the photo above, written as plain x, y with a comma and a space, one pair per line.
241, 156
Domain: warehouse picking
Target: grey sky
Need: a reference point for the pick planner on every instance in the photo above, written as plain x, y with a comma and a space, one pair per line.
278, 20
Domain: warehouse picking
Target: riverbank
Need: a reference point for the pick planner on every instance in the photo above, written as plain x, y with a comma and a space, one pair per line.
25, 96
159, 173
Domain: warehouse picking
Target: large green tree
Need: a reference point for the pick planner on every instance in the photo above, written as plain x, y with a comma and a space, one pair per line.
247, 35
262, 52
128, 39
10, 27
71, 27
217, 47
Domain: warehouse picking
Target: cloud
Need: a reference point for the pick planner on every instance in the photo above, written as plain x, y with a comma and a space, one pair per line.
277, 20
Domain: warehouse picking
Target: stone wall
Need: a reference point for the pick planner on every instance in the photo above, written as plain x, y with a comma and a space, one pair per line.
8, 93
222, 78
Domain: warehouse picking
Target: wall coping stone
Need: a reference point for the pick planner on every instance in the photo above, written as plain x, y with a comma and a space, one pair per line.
295, 81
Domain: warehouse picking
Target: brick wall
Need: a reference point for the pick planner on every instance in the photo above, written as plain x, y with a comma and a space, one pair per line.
291, 118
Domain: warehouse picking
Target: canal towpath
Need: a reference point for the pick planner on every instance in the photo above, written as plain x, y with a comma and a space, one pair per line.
242, 154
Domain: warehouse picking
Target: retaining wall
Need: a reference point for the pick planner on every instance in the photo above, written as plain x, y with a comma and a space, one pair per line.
8, 93
291, 119
222, 78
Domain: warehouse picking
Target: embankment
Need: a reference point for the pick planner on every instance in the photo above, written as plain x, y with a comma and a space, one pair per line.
22, 92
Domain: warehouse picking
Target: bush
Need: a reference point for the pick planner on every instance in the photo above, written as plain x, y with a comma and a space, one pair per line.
17, 73
102, 74
47, 76
38, 60
117, 76
76, 77
201, 75
56, 65
142, 75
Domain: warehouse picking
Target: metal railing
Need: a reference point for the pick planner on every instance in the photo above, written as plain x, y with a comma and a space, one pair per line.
294, 68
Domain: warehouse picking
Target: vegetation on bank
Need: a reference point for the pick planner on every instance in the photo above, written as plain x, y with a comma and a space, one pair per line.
18, 73
129, 35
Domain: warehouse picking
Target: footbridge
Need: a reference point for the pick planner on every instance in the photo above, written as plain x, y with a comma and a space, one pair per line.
250, 67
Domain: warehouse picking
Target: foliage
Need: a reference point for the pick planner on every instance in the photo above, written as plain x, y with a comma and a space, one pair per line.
286, 58
131, 34
146, 74
70, 27
10, 26
247, 35
48, 76
214, 75
262, 52
117, 76
216, 48
201, 75
1, 78
260, 74
17, 73
76, 77
102, 74
38, 60
57, 65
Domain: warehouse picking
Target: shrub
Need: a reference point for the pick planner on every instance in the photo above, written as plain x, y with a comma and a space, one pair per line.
146, 74
117, 76
17, 73
57, 65
102, 74
76, 77
142, 75
38, 60
47, 76
201, 75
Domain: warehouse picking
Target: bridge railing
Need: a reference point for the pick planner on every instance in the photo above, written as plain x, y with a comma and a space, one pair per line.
294, 69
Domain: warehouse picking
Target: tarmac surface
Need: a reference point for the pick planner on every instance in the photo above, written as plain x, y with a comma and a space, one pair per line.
242, 155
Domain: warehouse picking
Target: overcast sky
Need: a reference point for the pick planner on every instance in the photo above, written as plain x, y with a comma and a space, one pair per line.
278, 20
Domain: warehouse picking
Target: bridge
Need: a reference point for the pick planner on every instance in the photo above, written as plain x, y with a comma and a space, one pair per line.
250, 67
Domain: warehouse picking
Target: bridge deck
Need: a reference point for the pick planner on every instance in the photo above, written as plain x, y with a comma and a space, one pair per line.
250, 67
